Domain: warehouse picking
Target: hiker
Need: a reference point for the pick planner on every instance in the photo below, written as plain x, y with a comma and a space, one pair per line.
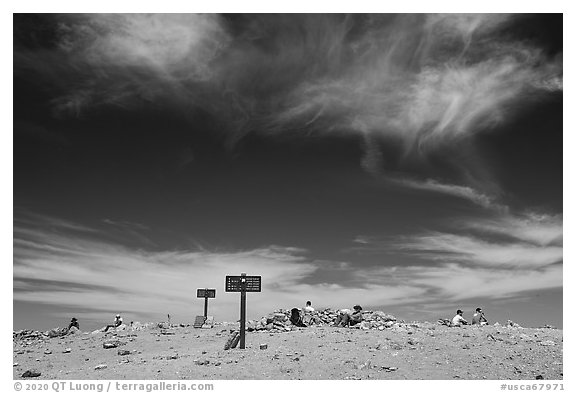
74, 323
117, 322
349, 318
478, 318
310, 317
458, 319
296, 317
308, 307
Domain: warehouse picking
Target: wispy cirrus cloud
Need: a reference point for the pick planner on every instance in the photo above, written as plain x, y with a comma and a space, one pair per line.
425, 80
464, 192
518, 242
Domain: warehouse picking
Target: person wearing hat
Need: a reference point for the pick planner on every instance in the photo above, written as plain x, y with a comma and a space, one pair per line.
458, 319
478, 318
74, 323
117, 322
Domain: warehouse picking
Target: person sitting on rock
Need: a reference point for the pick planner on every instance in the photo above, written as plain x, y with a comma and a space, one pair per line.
458, 319
310, 316
74, 323
117, 322
478, 318
349, 318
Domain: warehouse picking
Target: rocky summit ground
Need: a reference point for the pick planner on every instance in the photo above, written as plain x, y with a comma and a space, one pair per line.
404, 351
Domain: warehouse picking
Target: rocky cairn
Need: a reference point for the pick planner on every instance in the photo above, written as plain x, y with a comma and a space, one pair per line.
279, 320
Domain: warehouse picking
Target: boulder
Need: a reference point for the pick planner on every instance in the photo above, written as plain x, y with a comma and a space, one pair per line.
31, 374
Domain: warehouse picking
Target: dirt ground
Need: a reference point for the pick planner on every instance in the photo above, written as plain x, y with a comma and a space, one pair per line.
407, 352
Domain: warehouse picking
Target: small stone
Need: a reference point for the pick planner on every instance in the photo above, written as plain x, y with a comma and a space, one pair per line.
123, 352
109, 345
67, 350
547, 343
47, 352
539, 377
101, 367
15, 364
31, 374
263, 346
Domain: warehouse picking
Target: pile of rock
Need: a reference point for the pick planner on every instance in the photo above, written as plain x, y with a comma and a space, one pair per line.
279, 320
28, 335
33, 335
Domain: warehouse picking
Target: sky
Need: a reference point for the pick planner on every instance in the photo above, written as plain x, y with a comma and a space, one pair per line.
410, 163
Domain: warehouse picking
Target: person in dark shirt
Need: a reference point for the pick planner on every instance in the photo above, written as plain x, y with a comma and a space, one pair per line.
74, 323
350, 318
478, 318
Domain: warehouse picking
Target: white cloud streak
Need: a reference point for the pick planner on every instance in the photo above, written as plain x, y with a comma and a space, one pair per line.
100, 275
527, 242
464, 192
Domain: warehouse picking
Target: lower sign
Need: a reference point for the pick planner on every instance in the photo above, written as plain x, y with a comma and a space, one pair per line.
252, 283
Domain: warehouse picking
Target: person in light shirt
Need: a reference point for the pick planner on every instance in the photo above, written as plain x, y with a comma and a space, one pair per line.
308, 307
458, 319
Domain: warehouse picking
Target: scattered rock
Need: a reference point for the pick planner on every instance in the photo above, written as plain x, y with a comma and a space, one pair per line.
123, 352
539, 377
31, 374
67, 350
15, 364
110, 345
47, 352
395, 346
202, 362
510, 323
101, 367
263, 346
547, 343
232, 340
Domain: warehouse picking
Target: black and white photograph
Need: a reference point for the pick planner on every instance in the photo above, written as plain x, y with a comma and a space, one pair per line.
287, 196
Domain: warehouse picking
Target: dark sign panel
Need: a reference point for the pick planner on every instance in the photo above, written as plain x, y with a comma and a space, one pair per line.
211, 293
252, 283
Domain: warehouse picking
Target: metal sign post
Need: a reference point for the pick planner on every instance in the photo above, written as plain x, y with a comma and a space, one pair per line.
206, 294
243, 284
243, 311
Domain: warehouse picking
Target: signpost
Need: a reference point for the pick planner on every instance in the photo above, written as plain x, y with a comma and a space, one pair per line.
243, 284
206, 294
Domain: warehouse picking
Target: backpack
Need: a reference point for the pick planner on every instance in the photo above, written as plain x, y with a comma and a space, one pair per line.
296, 318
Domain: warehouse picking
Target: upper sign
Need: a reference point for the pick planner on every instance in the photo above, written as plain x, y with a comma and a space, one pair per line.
206, 293
251, 284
